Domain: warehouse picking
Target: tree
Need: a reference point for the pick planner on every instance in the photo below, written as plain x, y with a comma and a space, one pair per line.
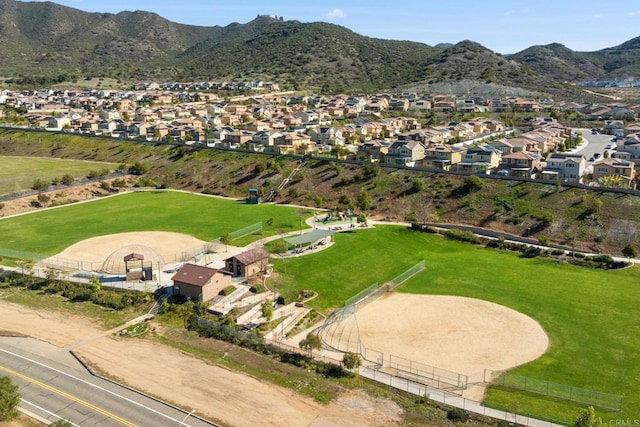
629, 251
9, 399
587, 418
267, 309
351, 360
311, 342
364, 199
226, 240
473, 183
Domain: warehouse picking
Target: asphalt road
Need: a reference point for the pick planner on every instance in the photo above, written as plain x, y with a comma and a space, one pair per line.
596, 144
52, 388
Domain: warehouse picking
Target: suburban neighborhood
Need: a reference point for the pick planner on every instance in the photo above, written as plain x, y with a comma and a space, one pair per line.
390, 129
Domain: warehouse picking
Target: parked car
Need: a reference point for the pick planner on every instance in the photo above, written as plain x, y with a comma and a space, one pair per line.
596, 155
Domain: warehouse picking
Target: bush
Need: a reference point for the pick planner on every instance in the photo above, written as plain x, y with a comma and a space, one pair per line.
228, 290
257, 288
462, 235
67, 179
473, 183
458, 414
39, 185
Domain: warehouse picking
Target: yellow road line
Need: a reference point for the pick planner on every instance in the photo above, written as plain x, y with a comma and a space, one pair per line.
68, 396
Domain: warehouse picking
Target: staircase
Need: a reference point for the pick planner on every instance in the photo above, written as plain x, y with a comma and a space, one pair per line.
272, 193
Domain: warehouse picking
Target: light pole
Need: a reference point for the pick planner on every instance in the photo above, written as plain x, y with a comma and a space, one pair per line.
185, 418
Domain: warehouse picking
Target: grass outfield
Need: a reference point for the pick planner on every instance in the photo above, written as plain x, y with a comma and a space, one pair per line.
50, 231
18, 173
590, 316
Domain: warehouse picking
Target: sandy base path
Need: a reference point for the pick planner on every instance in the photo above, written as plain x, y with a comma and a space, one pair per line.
232, 398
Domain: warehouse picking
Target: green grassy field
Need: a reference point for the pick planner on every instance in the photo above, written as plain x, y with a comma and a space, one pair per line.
206, 218
18, 173
590, 316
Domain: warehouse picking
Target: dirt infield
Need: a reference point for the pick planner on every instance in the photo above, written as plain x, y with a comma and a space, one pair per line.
96, 249
463, 335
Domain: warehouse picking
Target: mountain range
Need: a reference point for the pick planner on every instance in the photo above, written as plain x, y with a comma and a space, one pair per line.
44, 42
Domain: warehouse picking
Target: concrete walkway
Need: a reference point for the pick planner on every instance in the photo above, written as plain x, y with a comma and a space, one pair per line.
453, 400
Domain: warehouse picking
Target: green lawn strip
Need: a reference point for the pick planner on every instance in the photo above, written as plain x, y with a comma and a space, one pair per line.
35, 299
49, 232
533, 405
19, 173
589, 315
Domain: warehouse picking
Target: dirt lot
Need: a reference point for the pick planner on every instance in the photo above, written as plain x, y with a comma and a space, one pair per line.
230, 397
71, 194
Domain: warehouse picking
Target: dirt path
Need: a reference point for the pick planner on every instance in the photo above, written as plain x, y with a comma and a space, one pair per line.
232, 398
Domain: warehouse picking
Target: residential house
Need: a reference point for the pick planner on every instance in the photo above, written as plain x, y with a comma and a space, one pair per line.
496, 105
200, 283
237, 138
622, 169
420, 105
465, 105
614, 127
371, 151
524, 144
266, 138
444, 106
520, 163
526, 106
248, 263
399, 104
564, 167
630, 149
481, 158
441, 156
377, 104
405, 153
293, 142
326, 135
307, 117
58, 122
504, 145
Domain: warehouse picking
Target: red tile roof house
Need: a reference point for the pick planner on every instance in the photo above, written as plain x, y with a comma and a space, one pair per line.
200, 283
248, 263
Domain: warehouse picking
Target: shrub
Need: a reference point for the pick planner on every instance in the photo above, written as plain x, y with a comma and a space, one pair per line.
257, 288
458, 414
473, 183
67, 179
39, 185
228, 290
462, 235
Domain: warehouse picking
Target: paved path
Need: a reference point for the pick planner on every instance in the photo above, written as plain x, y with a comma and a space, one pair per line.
452, 400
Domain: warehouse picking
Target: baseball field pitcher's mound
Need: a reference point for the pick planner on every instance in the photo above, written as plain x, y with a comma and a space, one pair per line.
144, 255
